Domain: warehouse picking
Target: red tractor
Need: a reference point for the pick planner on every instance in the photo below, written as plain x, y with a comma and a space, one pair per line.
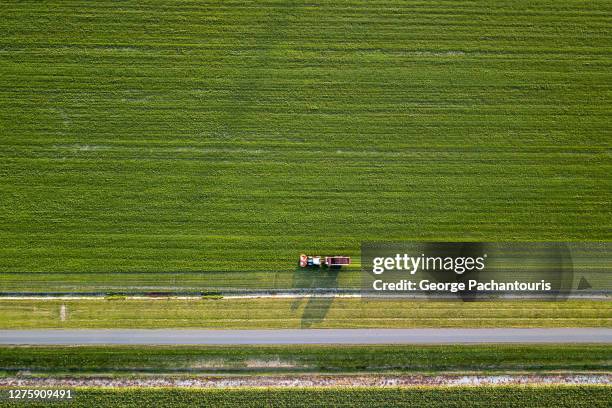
316, 261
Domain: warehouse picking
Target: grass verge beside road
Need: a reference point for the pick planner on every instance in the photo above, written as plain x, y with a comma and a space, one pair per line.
468, 359
299, 313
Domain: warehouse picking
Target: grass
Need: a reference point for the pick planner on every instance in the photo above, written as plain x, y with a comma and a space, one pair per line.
504, 396
295, 313
478, 359
205, 145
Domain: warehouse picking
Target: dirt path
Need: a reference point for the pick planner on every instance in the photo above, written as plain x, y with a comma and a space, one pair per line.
310, 381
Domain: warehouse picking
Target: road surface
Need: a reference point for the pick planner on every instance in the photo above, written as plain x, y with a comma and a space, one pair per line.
305, 336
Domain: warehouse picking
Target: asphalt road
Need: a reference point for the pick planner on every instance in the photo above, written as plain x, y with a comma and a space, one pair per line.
305, 336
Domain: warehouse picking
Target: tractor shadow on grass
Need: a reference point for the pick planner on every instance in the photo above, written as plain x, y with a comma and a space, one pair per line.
317, 307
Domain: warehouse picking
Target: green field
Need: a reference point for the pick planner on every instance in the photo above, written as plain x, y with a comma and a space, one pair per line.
206, 144
298, 313
197, 360
507, 396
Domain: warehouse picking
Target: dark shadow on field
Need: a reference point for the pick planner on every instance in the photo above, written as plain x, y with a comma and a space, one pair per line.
456, 250
526, 262
310, 279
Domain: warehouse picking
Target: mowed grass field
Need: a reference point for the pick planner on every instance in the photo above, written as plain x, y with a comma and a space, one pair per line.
197, 360
298, 313
206, 144
504, 396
